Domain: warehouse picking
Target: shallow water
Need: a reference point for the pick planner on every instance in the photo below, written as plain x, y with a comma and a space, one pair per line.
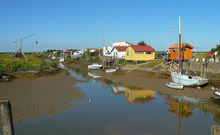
111, 108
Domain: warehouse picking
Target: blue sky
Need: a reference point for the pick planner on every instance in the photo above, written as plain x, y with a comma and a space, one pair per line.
80, 24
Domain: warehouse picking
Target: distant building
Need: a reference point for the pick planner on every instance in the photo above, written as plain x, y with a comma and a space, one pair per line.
121, 44
174, 51
140, 53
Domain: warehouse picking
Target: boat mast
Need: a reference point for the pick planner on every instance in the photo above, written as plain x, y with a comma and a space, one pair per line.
180, 44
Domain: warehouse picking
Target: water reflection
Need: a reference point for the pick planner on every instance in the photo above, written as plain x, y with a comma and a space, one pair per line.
215, 130
135, 95
179, 108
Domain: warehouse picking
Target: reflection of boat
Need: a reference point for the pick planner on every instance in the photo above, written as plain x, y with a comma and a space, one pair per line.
118, 89
93, 75
216, 100
94, 66
139, 96
174, 85
110, 70
215, 130
179, 77
61, 65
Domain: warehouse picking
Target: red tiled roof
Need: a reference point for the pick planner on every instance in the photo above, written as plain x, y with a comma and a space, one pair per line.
185, 45
142, 48
121, 48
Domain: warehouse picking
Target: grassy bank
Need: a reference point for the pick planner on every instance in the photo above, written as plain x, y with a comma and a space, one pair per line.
35, 62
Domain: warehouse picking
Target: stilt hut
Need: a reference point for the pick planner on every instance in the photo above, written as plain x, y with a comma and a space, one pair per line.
185, 47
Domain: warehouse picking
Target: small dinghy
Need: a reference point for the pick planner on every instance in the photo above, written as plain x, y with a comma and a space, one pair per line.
110, 70
175, 85
94, 66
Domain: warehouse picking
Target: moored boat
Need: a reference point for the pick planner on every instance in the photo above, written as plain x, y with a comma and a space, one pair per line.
188, 80
110, 70
94, 66
179, 77
175, 85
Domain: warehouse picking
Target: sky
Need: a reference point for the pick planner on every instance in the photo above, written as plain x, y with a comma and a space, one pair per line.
80, 24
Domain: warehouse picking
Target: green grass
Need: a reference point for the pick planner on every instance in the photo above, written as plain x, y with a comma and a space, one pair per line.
153, 63
204, 55
35, 62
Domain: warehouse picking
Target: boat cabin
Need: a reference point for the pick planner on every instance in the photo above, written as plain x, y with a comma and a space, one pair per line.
174, 51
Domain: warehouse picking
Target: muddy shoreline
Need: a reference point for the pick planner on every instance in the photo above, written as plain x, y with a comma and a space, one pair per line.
42, 96
149, 80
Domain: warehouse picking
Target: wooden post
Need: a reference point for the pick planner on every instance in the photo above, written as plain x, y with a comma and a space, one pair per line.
6, 118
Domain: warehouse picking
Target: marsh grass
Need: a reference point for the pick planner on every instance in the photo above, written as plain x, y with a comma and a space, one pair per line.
35, 62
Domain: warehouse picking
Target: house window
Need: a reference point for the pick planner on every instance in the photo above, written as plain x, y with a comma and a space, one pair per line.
148, 52
174, 50
127, 53
139, 52
116, 53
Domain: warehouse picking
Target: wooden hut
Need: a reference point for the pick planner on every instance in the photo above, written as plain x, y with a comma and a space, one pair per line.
174, 51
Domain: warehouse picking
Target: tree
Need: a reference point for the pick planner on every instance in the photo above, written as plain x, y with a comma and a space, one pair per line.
216, 49
142, 43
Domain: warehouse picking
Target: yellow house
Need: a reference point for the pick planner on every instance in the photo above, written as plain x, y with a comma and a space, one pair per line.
139, 96
140, 53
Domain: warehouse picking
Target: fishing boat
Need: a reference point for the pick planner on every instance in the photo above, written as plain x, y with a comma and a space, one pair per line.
175, 85
179, 77
94, 66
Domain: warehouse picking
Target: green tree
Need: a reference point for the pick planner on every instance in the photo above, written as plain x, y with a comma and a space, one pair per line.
142, 43
216, 49
213, 50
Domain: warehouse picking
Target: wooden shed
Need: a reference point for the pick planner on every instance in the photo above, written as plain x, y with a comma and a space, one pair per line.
174, 51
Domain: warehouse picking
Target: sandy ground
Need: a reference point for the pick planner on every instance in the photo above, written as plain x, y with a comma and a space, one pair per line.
151, 81
42, 96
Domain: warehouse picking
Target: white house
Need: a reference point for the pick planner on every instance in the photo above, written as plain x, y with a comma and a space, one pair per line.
117, 50
107, 51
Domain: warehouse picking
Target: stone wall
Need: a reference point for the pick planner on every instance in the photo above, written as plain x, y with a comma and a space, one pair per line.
202, 65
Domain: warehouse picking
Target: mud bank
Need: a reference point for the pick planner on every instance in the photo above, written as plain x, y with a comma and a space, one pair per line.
39, 97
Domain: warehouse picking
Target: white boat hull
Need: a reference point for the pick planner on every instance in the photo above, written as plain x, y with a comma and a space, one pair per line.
110, 70
94, 66
187, 80
175, 85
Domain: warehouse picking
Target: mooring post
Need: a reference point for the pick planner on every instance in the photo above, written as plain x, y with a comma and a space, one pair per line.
6, 118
